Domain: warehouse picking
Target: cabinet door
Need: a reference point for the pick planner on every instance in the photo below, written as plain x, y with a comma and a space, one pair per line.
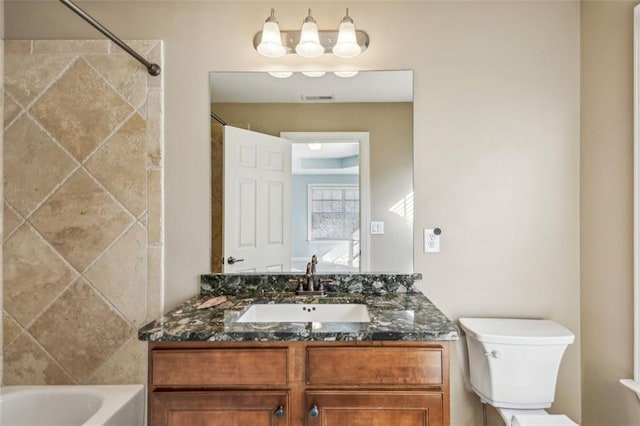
202, 408
397, 408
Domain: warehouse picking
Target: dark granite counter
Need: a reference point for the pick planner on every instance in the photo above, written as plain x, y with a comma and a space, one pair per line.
394, 316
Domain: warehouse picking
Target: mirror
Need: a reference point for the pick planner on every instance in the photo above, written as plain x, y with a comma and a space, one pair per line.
334, 163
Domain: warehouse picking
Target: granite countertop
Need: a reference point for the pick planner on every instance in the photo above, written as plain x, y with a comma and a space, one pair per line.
394, 316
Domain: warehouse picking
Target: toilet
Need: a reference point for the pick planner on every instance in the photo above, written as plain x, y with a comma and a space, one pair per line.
513, 366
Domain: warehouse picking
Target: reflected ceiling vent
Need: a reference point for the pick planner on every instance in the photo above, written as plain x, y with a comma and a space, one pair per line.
317, 98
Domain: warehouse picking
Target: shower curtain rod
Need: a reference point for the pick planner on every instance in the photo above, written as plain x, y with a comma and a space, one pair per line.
153, 69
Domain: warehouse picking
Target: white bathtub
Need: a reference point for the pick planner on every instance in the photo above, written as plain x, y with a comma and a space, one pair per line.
72, 405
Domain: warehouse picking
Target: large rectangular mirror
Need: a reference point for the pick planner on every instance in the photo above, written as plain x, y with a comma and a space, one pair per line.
305, 166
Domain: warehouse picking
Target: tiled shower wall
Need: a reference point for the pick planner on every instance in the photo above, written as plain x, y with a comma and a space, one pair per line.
83, 234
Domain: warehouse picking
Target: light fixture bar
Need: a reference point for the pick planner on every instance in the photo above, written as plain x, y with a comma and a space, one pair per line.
328, 38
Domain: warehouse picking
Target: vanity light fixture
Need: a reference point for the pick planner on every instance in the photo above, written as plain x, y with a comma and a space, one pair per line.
314, 146
270, 41
309, 42
309, 45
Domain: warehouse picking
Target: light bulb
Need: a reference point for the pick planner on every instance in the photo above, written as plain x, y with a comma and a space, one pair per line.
271, 43
280, 74
347, 44
314, 73
314, 146
309, 45
346, 74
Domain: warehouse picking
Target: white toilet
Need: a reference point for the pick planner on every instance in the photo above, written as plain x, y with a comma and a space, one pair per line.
513, 366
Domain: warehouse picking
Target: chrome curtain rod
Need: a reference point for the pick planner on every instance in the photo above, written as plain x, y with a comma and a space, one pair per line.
153, 69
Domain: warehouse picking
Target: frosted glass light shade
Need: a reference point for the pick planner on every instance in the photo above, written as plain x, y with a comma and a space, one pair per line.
347, 45
313, 74
271, 43
281, 74
346, 74
309, 45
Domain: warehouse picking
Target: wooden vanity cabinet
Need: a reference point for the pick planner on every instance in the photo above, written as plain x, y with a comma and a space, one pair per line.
299, 383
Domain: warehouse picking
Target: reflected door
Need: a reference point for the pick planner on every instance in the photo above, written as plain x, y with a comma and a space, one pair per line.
257, 202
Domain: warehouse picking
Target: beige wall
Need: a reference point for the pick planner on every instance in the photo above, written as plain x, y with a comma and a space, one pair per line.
82, 254
390, 127
606, 213
496, 140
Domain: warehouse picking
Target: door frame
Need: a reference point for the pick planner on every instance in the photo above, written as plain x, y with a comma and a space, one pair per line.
365, 206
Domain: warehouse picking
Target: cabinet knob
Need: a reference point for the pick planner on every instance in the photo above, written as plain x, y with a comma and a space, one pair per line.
279, 412
314, 411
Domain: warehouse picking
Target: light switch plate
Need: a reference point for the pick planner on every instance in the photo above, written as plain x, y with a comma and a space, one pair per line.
431, 241
377, 228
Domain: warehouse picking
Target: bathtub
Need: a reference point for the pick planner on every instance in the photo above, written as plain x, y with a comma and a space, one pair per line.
121, 405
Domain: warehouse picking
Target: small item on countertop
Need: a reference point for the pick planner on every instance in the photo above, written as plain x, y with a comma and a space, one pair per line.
214, 301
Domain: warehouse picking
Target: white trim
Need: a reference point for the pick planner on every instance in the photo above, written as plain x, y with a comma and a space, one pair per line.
635, 384
365, 205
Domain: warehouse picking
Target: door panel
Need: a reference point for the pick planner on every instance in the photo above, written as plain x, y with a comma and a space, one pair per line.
257, 201
375, 408
219, 408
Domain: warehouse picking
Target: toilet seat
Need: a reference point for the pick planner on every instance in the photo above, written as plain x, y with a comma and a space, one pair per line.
542, 420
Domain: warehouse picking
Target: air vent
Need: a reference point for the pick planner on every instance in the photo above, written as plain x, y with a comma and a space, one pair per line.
317, 98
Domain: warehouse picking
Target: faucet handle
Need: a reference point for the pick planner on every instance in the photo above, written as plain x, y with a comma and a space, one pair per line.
299, 281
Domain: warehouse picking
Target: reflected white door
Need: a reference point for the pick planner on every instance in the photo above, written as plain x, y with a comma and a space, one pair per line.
257, 201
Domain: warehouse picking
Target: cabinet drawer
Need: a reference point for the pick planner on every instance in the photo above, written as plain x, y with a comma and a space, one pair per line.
219, 367
374, 366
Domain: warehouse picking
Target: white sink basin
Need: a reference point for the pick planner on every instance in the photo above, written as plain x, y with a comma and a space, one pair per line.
315, 312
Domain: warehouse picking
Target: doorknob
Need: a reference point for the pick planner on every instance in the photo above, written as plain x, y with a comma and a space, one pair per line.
314, 412
231, 260
279, 412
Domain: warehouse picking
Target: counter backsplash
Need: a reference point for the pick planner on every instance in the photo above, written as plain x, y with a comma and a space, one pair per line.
372, 283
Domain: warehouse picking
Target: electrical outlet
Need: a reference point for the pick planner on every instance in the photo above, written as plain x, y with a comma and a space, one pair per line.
431, 241
377, 228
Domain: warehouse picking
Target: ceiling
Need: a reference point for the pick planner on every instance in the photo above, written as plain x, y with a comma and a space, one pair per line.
261, 87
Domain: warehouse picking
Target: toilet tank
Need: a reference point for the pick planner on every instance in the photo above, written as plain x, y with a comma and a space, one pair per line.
514, 363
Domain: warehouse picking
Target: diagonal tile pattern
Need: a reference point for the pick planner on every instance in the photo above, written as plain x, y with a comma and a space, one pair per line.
80, 315
26, 76
81, 269
80, 110
120, 164
34, 275
37, 164
80, 220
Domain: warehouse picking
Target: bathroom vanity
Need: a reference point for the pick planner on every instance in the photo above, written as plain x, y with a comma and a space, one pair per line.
207, 366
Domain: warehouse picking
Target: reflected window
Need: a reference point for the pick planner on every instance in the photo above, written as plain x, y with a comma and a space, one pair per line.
334, 213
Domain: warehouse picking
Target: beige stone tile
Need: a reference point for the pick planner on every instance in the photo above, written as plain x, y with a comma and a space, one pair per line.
10, 220
142, 110
121, 274
121, 165
141, 46
26, 76
10, 330
17, 46
34, 275
126, 367
76, 47
124, 73
155, 125
81, 110
11, 110
155, 57
25, 363
156, 216
81, 331
81, 220
154, 283
33, 165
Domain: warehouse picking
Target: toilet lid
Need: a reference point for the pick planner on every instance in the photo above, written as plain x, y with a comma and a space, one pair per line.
542, 420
